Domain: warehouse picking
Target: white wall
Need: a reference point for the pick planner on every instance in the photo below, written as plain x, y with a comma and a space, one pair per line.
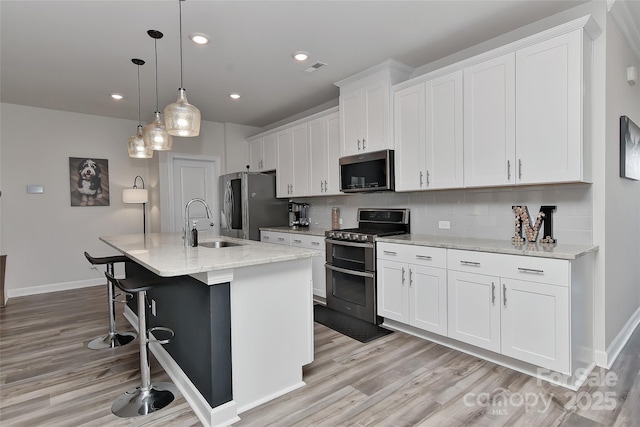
622, 207
43, 236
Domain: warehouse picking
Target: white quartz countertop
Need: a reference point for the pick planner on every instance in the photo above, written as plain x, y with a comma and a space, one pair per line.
557, 251
166, 255
310, 231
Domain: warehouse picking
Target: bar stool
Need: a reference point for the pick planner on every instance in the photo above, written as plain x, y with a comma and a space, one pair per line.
113, 338
146, 398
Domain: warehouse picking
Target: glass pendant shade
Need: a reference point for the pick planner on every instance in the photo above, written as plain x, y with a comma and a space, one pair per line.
182, 118
136, 146
155, 135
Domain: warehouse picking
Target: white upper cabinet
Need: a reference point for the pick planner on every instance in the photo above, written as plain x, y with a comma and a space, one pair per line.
428, 126
324, 152
515, 115
365, 113
293, 145
489, 122
263, 153
549, 107
444, 157
409, 129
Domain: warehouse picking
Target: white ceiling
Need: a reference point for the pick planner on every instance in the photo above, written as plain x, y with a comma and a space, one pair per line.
70, 55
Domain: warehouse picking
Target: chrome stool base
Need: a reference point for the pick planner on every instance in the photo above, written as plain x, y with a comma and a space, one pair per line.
112, 340
137, 402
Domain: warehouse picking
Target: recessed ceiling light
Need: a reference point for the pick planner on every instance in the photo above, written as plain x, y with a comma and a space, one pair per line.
234, 95
300, 56
199, 38
117, 96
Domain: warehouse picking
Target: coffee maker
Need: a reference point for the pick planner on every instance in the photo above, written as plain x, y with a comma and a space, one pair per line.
298, 214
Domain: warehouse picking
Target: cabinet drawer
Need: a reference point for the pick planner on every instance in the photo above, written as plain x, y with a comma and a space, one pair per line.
474, 262
275, 237
307, 241
536, 269
413, 254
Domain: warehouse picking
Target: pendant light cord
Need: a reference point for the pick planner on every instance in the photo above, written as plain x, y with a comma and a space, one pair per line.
139, 123
180, 14
155, 45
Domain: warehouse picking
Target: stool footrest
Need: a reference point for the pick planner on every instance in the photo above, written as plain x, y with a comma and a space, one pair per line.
127, 297
161, 329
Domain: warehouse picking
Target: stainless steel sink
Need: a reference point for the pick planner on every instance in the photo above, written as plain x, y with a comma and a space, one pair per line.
218, 244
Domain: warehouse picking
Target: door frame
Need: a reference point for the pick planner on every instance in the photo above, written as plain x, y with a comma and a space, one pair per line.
165, 181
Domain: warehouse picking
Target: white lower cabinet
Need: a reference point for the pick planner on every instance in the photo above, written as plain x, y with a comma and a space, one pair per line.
412, 288
474, 309
535, 323
492, 307
516, 306
304, 241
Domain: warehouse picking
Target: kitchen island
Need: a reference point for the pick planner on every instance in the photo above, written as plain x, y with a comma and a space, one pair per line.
242, 317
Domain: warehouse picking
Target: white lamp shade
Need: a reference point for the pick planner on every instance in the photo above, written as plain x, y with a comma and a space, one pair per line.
135, 195
182, 118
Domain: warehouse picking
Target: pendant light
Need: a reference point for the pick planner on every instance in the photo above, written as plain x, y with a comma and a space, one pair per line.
182, 118
155, 134
135, 143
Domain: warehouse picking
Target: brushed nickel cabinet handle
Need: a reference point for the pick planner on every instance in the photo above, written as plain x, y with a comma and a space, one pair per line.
424, 257
410, 277
420, 179
530, 270
493, 293
471, 263
403, 275
508, 170
390, 253
504, 294
520, 169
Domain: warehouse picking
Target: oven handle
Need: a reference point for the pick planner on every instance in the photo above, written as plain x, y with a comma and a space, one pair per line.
344, 243
351, 272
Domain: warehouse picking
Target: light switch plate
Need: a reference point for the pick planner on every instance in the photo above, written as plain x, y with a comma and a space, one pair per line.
445, 225
35, 189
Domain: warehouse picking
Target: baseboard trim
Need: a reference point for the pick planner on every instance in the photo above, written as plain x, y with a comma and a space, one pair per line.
606, 358
53, 287
220, 416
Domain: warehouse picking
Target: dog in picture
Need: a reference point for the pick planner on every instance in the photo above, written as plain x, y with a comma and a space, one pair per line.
89, 182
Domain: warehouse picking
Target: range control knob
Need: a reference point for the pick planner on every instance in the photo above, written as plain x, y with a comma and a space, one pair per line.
363, 238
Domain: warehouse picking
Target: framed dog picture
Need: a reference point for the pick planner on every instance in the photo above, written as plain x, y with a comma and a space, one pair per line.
89, 181
629, 149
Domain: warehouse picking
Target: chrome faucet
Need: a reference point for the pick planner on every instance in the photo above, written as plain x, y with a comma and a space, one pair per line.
187, 235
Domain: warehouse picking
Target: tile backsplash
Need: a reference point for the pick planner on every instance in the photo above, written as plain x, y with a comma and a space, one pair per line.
479, 213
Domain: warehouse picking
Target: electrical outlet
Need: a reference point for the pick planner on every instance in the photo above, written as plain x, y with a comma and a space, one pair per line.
153, 307
445, 225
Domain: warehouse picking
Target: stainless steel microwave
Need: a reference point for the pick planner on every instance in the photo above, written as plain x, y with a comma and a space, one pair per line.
367, 172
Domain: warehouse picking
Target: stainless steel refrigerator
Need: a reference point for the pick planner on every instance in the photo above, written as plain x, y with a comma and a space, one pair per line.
248, 203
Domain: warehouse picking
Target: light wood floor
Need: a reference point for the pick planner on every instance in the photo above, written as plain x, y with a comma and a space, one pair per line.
49, 378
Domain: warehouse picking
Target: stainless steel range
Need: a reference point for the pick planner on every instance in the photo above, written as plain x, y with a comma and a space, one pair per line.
351, 261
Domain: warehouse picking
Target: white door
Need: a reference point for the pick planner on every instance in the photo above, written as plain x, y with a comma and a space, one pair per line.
474, 309
408, 130
351, 121
194, 178
392, 291
489, 122
376, 116
549, 110
535, 324
444, 162
428, 298
317, 156
284, 177
300, 182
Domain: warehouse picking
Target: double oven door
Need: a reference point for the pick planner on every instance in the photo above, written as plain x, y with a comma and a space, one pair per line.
351, 278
